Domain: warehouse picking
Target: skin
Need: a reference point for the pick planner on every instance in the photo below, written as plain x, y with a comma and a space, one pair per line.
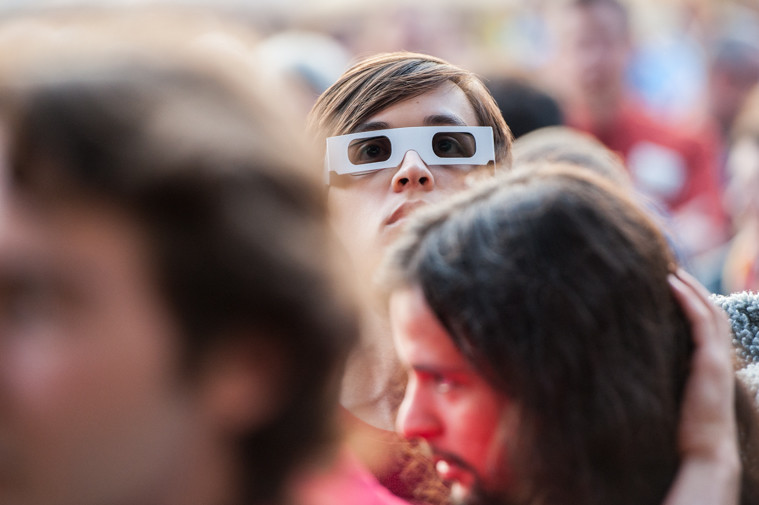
93, 406
708, 438
592, 56
364, 209
466, 422
447, 403
363, 205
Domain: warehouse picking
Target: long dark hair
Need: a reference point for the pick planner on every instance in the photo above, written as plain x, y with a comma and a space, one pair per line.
553, 284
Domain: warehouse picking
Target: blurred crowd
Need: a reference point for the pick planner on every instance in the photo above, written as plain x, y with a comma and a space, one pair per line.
663, 85
666, 85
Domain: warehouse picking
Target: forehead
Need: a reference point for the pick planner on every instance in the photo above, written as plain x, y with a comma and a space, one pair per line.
445, 105
420, 339
603, 17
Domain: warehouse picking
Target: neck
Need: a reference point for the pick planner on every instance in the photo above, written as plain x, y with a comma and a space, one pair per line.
373, 373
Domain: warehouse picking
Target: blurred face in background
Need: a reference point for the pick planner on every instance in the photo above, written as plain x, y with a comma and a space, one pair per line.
593, 46
93, 409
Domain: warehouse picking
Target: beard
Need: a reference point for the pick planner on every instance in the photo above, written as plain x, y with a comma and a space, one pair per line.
478, 496
476, 493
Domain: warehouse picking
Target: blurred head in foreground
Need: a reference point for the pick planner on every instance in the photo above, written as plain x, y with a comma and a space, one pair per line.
545, 351
566, 145
170, 328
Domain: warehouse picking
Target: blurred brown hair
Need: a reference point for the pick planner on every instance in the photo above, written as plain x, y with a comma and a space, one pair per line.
224, 190
565, 145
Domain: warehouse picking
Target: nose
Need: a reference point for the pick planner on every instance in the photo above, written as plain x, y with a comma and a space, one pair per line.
416, 416
413, 174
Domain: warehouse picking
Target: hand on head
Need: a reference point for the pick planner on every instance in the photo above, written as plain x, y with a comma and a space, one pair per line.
708, 437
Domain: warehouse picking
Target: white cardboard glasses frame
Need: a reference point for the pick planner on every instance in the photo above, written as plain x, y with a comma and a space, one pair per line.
402, 140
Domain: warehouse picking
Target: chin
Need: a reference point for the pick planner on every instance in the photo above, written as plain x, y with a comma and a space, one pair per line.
460, 494
463, 495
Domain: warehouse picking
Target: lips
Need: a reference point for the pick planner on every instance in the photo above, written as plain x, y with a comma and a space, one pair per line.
403, 210
452, 473
452, 468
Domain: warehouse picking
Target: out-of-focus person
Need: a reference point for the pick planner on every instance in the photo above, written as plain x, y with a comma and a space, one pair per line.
741, 269
172, 330
680, 171
524, 105
733, 70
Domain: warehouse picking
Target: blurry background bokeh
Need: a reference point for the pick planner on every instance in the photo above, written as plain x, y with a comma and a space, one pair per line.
692, 64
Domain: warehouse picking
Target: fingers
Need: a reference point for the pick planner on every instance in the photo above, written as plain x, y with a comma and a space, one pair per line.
707, 435
708, 418
710, 325
691, 281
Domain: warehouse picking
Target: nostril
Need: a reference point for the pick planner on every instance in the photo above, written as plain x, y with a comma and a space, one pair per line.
423, 181
403, 181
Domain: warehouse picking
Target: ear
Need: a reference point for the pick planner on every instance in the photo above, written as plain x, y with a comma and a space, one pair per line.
243, 383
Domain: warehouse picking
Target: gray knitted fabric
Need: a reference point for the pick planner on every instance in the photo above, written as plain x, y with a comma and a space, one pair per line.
750, 378
743, 311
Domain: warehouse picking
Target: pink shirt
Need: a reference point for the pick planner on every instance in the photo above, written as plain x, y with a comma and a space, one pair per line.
347, 482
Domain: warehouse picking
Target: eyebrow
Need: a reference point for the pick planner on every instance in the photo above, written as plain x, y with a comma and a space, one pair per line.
435, 370
372, 126
444, 120
433, 120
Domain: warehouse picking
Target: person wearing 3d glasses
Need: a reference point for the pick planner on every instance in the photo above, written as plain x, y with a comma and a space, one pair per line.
404, 130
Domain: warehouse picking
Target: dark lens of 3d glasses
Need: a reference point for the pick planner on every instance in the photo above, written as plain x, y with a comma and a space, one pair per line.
369, 150
444, 145
454, 145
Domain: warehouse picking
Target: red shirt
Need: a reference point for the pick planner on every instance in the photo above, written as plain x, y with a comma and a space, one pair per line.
677, 169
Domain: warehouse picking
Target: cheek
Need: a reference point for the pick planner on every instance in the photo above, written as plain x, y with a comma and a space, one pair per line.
94, 366
97, 403
75, 378
356, 215
38, 375
478, 430
359, 194
452, 180
348, 208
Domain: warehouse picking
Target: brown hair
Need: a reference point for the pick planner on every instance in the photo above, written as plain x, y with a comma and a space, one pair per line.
562, 144
236, 227
380, 81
